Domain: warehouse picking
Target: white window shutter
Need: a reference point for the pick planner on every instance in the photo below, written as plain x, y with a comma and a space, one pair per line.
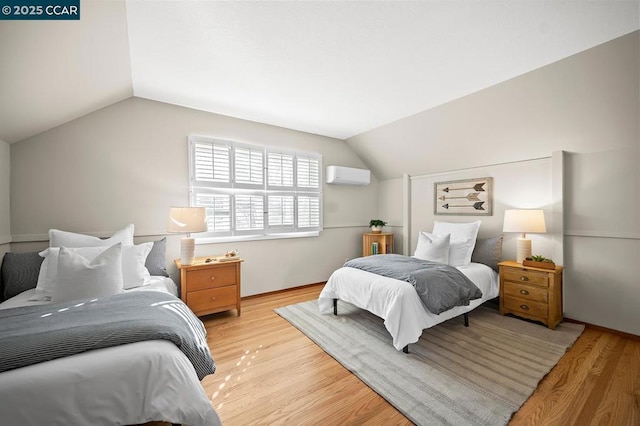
211, 163
248, 167
280, 170
309, 214
281, 211
218, 207
308, 173
249, 213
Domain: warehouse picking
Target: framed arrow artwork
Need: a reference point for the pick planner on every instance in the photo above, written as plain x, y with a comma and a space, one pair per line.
468, 197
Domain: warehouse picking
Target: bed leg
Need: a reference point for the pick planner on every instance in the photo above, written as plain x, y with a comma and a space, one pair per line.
466, 320
406, 349
335, 306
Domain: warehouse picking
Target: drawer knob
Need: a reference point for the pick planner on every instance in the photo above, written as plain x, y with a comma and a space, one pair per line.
525, 292
213, 298
212, 278
524, 278
524, 307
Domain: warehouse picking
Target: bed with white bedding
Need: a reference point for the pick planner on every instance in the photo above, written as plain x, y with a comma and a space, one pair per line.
132, 383
128, 384
450, 246
397, 302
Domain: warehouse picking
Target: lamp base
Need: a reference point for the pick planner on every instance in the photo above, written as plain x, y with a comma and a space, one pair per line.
523, 249
187, 251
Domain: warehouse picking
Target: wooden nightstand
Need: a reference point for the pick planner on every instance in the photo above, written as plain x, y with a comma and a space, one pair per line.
384, 242
532, 293
210, 287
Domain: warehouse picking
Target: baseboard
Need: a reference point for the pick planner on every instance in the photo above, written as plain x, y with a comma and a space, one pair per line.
282, 290
493, 301
605, 329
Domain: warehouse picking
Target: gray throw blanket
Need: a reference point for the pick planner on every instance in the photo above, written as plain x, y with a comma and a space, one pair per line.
440, 287
33, 334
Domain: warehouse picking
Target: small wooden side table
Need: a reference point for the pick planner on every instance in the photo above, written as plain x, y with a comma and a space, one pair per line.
383, 242
209, 287
532, 293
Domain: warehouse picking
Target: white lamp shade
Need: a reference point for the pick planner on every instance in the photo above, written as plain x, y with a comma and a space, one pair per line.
524, 221
184, 220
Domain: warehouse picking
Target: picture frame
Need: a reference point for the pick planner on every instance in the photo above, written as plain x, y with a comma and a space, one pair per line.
466, 197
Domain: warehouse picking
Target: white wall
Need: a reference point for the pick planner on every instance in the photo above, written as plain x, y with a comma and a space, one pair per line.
61, 72
508, 181
586, 105
128, 163
5, 213
602, 235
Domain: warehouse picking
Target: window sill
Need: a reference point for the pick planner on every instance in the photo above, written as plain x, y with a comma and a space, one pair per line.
242, 238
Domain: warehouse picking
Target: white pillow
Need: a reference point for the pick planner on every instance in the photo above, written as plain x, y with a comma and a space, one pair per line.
463, 239
81, 278
459, 252
433, 247
59, 238
134, 272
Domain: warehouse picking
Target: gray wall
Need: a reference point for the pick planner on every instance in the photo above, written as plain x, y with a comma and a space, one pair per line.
5, 214
128, 163
586, 105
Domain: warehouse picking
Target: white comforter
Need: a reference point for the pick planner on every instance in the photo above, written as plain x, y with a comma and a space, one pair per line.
397, 301
128, 384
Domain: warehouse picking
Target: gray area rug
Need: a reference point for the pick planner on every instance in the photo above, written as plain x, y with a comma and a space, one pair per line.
453, 375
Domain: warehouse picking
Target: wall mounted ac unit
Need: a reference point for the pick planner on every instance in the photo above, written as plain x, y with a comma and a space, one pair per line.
339, 175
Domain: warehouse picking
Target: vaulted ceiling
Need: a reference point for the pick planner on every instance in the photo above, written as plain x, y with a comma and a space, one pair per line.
335, 68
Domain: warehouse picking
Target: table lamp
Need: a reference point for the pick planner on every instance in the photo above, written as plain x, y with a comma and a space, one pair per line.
185, 220
524, 221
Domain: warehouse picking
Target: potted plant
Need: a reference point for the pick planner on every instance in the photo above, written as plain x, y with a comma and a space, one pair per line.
376, 225
538, 261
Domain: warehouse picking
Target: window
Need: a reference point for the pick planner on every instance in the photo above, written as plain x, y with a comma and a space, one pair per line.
254, 191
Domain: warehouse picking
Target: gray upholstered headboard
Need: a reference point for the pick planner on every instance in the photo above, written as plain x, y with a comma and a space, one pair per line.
19, 273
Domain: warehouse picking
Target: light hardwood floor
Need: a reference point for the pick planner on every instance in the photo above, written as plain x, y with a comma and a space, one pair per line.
270, 373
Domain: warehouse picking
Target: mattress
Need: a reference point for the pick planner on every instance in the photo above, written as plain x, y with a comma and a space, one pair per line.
397, 301
128, 384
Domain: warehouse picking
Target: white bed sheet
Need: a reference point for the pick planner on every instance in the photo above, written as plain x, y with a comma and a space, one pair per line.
128, 384
397, 301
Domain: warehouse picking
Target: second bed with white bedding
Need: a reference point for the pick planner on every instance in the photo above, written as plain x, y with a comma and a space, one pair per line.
397, 301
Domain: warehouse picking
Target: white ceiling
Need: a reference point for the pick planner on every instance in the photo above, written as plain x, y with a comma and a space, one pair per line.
335, 68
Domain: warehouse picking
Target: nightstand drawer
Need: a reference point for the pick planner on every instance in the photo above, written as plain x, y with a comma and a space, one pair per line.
527, 307
211, 299
211, 277
525, 292
529, 277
